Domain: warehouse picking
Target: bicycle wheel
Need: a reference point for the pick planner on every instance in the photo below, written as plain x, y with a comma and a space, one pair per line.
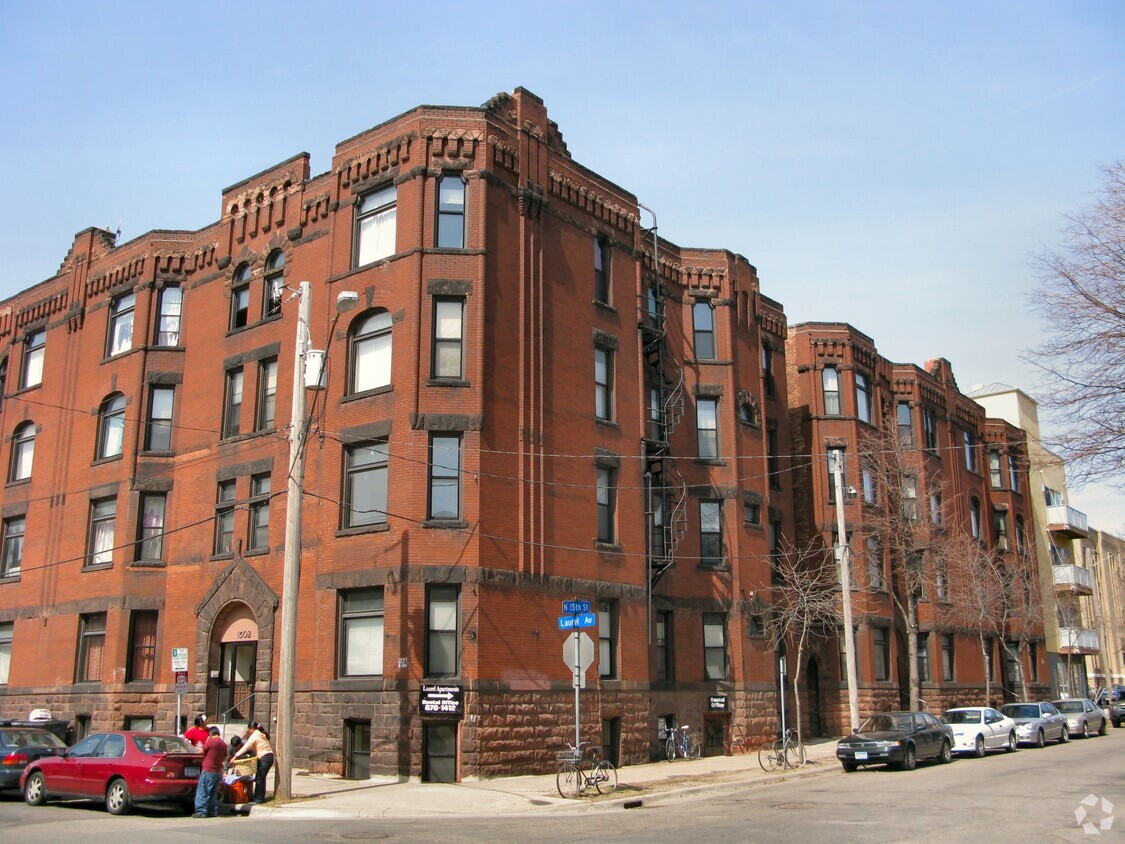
794, 754
567, 780
768, 758
670, 748
605, 777
692, 749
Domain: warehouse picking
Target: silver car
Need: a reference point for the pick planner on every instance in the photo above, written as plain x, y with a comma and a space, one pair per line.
1037, 723
1083, 717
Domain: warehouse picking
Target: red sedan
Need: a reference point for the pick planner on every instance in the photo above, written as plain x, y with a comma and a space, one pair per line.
121, 768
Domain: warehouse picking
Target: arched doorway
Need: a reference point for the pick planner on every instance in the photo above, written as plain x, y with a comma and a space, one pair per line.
237, 653
812, 687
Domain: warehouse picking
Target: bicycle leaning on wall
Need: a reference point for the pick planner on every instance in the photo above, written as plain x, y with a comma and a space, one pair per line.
580, 771
681, 740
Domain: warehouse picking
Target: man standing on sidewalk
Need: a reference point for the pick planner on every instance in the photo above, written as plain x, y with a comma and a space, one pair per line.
211, 777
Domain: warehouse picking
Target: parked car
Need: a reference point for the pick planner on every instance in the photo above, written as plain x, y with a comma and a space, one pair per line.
896, 738
20, 745
1083, 717
980, 728
1037, 723
1113, 702
121, 768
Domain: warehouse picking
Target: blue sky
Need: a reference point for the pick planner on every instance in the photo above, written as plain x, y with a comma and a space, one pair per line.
876, 162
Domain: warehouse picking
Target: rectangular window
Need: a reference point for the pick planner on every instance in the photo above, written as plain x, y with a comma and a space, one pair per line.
120, 337
1033, 661
607, 639
99, 550
445, 476
838, 557
995, 475
882, 648
905, 423
703, 329
375, 225
1000, 528
603, 383
707, 427
776, 550
870, 494
365, 484
929, 430
267, 395
34, 350
752, 509
361, 633
714, 646
665, 664
150, 531
834, 455
158, 431
259, 505
711, 534
451, 212
773, 455
232, 405
1013, 473
442, 605
168, 319
6, 631
862, 398
239, 306
607, 505
947, 658
768, 380
941, 582
601, 271
91, 647
924, 657
910, 499
936, 517
830, 380
142, 646
224, 518
11, 557
970, 451
874, 563
448, 356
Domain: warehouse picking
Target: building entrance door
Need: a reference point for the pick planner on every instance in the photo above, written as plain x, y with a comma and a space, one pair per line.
439, 751
812, 683
236, 680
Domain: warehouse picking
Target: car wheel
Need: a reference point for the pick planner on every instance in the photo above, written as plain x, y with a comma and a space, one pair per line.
1040, 739
1011, 743
850, 767
35, 790
947, 753
978, 748
1104, 728
1064, 735
909, 760
1085, 729
117, 798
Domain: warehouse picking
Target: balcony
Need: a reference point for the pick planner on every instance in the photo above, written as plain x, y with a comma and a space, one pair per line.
1066, 521
1077, 640
1073, 579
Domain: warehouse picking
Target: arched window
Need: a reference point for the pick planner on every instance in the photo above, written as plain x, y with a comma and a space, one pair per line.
370, 352
749, 412
275, 283
974, 517
23, 452
111, 426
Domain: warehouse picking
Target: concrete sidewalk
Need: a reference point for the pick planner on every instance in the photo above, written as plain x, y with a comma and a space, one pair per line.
317, 796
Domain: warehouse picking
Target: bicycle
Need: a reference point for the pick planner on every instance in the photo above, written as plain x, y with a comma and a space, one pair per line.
786, 752
680, 740
578, 774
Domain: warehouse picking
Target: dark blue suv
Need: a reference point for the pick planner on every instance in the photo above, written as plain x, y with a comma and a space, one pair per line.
22, 744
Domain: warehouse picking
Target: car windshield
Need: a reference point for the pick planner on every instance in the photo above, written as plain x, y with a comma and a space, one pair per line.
155, 745
961, 716
885, 722
1069, 706
1025, 710
30, 738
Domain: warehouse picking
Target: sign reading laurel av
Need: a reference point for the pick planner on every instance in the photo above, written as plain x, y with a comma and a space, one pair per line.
442, 701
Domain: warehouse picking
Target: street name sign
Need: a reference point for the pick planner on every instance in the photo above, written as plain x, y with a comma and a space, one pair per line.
578, 622
575, 607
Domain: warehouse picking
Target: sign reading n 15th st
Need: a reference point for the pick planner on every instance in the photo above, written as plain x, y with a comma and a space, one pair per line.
575, 607
442, 701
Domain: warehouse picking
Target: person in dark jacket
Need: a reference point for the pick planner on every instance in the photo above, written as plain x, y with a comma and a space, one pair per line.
211, 777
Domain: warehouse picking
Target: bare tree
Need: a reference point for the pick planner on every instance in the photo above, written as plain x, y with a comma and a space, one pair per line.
1021, 611
1081, 295
902, 526
805, 604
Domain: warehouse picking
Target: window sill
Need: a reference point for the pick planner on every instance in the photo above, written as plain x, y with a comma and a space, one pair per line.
604, 306
721, 567
98, 567
123, 354
608, 423
709, 461
148, 564
26, 389
607, 547
156, 347
13, 577
753, 525
364, 683
249, 435
224, 556
157, 454
363, 529
445, 524
447, 382
255, 552
17, 482
376, 391
103, 460
139, 685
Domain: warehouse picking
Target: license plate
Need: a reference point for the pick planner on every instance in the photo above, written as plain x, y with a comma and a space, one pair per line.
191, 770
860, 755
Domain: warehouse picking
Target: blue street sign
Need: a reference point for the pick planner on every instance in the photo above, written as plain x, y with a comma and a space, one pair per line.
587, 619
568, 622
575, 607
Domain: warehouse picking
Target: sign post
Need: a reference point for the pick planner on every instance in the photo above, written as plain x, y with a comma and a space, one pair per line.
578, 651
179, 668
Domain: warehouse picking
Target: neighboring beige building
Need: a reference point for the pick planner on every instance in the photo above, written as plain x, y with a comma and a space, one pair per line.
1108, 564
1064, 554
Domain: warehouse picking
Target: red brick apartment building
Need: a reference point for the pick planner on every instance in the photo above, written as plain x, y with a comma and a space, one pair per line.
959, 474
536, 400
